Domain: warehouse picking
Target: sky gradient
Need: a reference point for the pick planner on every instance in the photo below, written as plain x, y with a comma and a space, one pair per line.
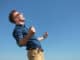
60, 18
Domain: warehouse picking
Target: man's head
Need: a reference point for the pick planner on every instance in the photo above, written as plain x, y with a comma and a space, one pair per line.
16, 17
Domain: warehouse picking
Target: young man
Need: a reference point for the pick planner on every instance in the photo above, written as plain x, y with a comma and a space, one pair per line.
26, 37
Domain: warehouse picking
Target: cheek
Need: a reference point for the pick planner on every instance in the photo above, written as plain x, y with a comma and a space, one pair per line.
21, 16
16, 20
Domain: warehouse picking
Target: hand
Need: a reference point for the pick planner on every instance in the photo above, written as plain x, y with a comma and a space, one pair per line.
45, 35
32, 30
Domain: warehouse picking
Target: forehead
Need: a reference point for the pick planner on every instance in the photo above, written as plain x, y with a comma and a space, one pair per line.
15, 13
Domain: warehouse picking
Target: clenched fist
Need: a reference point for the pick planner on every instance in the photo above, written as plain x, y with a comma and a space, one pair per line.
45, 35
32, 30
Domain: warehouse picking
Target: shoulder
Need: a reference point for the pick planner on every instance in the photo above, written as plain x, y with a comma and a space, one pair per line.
17, 30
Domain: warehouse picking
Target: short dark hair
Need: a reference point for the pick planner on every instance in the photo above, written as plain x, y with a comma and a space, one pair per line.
11, 16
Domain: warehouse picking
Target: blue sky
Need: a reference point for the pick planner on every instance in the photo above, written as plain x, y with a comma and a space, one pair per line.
61, 18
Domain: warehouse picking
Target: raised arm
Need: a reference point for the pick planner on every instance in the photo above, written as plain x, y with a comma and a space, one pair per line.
27, 37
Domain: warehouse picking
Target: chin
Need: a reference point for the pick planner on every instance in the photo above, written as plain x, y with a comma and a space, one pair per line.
22, 23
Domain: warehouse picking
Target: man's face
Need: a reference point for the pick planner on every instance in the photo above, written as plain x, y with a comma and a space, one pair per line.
18, 18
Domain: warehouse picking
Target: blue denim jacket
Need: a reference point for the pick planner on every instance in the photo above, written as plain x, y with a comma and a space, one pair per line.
20, 31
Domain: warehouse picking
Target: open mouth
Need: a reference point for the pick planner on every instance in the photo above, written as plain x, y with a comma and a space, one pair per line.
22, 20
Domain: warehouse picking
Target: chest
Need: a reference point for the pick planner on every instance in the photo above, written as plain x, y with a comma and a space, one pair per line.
24, 31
